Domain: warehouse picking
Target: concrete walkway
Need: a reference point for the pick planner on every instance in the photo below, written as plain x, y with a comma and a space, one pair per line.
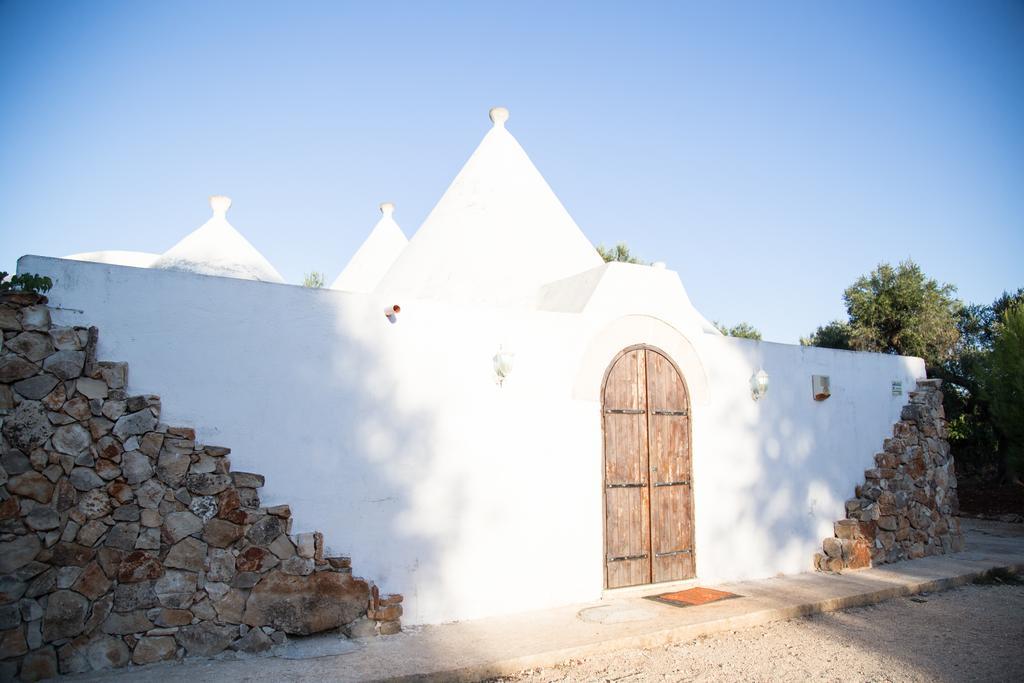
484, 648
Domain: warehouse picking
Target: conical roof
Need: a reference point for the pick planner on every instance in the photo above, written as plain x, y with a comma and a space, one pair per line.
115, 257
497, 234
216, 248
373, 259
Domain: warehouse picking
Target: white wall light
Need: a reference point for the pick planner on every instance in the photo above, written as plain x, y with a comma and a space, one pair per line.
503, 364
758, 384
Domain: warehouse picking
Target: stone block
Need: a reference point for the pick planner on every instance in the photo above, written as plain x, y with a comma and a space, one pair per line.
385, 613
115, 375
138, 422
206, 639
91, 388
299, 566
152, 649
139, 566
302, 605
65, 615
26, 428
221, 533
178, 525
39, 387
253, 642
305, 544
248, 480
207, 484
65, 364
265, 530
107, 652
125, 623
92, 582
39, 664
389, 628
14, 368
832, 547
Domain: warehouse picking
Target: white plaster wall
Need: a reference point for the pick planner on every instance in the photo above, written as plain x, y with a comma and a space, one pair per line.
469, 498
772, 476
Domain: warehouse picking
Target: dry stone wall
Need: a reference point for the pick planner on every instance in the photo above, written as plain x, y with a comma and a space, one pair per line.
123, 541
907, 506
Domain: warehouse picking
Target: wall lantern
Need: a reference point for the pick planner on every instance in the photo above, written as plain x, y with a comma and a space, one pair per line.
758, 384
503, 364
820, 387
391, 313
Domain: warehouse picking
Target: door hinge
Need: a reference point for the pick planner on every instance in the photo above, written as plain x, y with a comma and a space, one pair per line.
685, 551
684, 482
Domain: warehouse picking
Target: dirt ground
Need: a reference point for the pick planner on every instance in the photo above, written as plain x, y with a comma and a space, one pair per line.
991, 498
974, 633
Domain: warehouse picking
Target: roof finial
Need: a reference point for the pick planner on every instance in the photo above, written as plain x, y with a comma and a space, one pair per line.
220, 204
499, 115
387, 208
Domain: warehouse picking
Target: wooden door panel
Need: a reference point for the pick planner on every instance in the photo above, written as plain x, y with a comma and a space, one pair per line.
671, 540
666, 389
628, 536
670, 468
646, 443
625, 461
627, 498
625, 388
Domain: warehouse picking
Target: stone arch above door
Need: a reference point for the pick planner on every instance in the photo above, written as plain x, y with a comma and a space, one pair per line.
632, 330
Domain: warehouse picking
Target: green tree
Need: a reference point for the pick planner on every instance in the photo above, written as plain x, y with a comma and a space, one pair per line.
975, 436
1003, 387
742, 330
314, 280
899, 310
835, 335
620, 253
26, 282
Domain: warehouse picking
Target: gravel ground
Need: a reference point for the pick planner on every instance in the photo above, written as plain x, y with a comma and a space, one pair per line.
974, 633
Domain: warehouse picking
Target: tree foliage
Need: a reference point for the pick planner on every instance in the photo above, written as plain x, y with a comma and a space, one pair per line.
743, 330
835, 335
1003, 386
899, 310
314, 280
26, 282
975, 349
619, 253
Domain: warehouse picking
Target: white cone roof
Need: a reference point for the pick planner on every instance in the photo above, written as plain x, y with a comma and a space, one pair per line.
376, 255
114, 257
216, 248
497, 235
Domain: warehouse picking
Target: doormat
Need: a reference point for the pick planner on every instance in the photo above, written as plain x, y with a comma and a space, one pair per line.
692, 597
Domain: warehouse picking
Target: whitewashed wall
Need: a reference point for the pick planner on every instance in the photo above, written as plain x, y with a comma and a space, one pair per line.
469, 498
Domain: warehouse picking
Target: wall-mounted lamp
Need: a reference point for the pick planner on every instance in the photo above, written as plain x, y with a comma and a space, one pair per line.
820, 387
503, 364
758, 384
392, 313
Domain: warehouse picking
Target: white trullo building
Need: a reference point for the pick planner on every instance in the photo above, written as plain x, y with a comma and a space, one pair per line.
533, 428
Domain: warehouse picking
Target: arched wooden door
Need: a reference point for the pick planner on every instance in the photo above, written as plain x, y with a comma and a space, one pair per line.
647, 471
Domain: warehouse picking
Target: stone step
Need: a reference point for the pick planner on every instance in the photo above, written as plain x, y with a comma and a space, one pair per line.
248, 480
113, 374
140, 505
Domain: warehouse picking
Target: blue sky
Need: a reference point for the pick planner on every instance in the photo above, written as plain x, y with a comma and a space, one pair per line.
769, 152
